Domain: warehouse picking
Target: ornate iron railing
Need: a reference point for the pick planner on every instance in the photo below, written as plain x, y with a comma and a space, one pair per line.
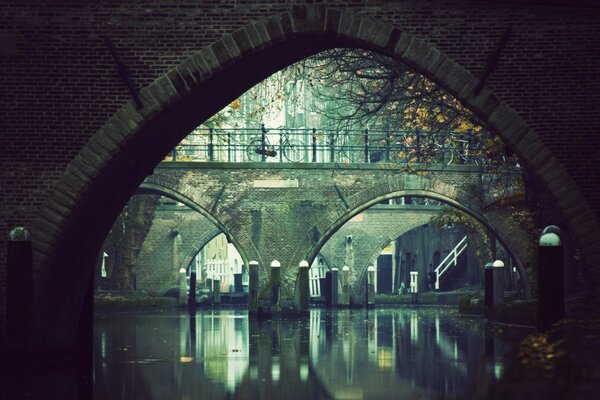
323, 146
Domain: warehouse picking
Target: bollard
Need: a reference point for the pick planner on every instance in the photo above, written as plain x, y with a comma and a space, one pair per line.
275, 283
493, 286
237, 283
216, 291
551, 290
488, 293
19, 287
498, 281
303, 289
345, 286
326, 289
182, 287
192, 291
370, 285
334, 287
253, 286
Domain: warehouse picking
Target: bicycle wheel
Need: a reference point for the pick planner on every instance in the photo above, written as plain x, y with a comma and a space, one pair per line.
294, 150
253, 145
446, 156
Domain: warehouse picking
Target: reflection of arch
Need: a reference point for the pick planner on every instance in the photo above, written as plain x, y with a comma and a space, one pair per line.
150, 188
134, 140
430, 188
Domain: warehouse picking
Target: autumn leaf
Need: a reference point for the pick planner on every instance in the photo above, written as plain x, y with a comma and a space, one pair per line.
236, 104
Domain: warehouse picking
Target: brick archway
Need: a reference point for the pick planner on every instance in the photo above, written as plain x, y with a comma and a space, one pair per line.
152, 188
134, 140
417, 186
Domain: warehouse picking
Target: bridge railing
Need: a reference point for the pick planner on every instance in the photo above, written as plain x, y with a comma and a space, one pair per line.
326, 146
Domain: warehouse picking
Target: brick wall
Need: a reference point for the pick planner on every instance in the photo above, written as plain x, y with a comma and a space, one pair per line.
155, 270
60, 84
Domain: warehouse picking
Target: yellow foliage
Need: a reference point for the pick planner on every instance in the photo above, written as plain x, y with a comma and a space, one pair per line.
236, 104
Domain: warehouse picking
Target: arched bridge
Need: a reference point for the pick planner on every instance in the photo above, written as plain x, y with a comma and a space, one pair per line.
287, 212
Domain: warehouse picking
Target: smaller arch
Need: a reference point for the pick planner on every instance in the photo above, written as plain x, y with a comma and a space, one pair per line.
153, 188
426, 193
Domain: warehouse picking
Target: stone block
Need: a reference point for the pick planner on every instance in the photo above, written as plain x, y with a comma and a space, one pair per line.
402, 44
208, 60
163, 90
243, 41
375, 32
309, 18
483, 103
349, 24
275, 29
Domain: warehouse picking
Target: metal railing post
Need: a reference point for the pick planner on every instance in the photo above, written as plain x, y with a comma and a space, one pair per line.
314, 145
418, 145
366, 145
281, 145
387, 146
228, 146
263, 137
210, 144
332, 147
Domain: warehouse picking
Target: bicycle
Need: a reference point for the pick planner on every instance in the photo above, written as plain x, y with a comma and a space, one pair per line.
260, 147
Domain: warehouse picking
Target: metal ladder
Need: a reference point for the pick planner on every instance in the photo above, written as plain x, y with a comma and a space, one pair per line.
450, 261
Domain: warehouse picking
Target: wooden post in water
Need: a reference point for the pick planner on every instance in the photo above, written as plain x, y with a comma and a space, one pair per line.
303, 286
253, 287
275, 285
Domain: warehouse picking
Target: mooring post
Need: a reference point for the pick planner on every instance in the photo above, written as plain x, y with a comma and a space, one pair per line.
303, 288
370, 285
182, 287
275, 284
216, 291
551, 284
334, 287
19, 288
253, 286
488, 293
346, 286
493, 285
192, 291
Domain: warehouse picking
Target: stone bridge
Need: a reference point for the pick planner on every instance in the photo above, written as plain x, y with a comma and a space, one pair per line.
160, 259
77, 144
288, 213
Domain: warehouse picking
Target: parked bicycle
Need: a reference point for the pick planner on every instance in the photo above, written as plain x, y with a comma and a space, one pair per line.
260, 147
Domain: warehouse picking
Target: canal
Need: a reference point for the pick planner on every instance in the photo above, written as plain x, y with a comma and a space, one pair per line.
425, 353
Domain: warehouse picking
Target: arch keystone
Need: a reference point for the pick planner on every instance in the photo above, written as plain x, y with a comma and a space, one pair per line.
275, 28
349, 24
309, 18
401, 44
373, 32
422, 55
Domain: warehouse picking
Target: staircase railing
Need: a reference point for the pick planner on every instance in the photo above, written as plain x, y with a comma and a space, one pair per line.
450, 261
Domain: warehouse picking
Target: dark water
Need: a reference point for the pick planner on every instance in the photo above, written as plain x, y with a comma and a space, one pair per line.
424, 353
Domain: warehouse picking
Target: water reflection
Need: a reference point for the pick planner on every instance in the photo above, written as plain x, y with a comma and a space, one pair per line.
341, 354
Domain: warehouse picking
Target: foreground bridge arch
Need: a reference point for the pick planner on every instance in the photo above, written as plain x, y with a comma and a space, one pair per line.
133, 141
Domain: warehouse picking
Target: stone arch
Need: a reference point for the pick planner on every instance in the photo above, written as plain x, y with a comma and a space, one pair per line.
133, 140
414, 186
152, 188
372, 239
